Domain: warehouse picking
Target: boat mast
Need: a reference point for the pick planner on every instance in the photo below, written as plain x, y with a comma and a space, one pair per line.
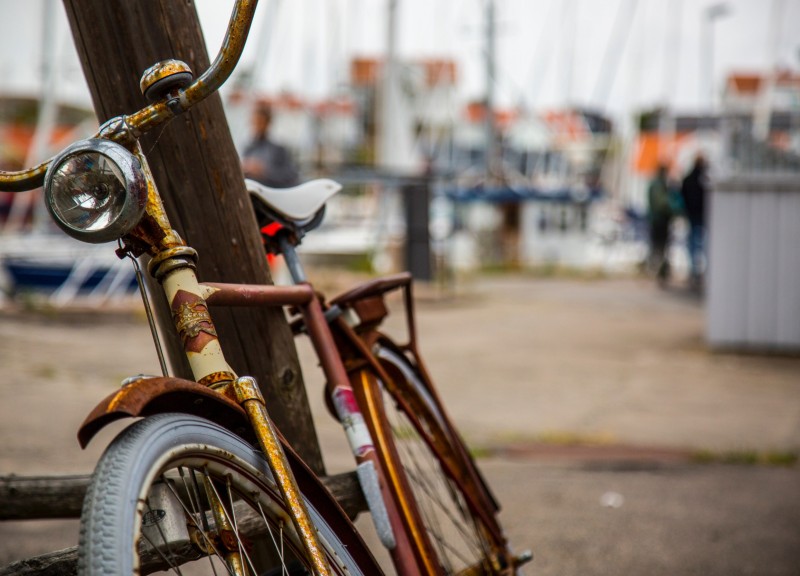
490, 127
45, 123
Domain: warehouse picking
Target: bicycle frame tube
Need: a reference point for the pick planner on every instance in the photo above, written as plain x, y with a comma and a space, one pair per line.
404, 554
173, 265
186, 297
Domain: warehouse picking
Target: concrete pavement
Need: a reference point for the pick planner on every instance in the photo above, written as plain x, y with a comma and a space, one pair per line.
590, 399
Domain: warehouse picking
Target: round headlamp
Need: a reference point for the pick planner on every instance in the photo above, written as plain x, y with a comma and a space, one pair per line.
95, 190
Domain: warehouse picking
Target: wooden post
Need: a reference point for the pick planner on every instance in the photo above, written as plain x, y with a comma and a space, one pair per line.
49, 497
197, 171
28, 498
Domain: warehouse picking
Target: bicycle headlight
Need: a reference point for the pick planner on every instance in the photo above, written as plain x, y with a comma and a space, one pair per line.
95, 190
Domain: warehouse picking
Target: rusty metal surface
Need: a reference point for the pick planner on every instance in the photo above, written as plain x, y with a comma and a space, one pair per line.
209, 82
162, 394
172, 259
226, 294
192, 321
228, 539
249, 396
364, 376
24, 179
324, 344
164, 76
371, 311
154, 233
194, 326
367, 392
373, 288
367, 301
433, 425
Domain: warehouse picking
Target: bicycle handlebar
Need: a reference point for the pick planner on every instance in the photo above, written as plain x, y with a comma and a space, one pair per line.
156, 114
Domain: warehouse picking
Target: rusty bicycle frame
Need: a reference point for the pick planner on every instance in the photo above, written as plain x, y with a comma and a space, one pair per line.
355, 318
234, 401
368, 373
173, 265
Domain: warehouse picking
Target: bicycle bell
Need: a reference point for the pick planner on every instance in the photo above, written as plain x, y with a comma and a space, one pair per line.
164, 77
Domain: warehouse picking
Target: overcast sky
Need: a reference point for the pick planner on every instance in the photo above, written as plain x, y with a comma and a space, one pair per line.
549, 52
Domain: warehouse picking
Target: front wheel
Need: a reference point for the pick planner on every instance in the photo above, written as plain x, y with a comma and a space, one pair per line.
178, 494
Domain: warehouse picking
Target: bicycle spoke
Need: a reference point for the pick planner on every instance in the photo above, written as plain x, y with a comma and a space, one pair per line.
168, 561
434, 501
272, 536
194, 501
456, 535
236, 525
423, 480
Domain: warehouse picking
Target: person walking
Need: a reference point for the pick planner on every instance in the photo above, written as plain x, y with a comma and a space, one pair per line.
660, 211
694, 190
264, 160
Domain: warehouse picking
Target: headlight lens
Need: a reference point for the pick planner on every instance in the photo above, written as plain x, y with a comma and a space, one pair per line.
96, 190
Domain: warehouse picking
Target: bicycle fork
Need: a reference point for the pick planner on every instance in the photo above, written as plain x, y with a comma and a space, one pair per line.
186, 297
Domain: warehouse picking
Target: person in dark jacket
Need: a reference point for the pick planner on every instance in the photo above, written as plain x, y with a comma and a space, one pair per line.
264, 160
660, 210
694, 190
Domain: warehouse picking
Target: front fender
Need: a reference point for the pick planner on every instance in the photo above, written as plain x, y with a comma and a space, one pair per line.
164, 394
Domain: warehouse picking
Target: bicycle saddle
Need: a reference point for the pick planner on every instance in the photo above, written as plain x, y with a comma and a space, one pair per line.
297, 204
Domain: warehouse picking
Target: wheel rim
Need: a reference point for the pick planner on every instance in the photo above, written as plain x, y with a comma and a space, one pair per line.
205, 511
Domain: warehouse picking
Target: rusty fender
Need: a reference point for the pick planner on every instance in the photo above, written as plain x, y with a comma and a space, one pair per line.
150, 396
163, 394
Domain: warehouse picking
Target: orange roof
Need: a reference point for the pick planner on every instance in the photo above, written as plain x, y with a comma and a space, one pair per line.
365, 71
745, 83
438, 71
476, 112
284, 101
751, 83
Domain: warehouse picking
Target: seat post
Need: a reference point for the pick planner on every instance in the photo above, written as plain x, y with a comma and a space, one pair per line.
292, 260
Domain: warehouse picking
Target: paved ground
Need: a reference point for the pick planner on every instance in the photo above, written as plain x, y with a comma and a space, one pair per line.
617, 442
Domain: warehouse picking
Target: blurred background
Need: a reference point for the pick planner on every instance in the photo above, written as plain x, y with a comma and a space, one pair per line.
487, 134
507, 153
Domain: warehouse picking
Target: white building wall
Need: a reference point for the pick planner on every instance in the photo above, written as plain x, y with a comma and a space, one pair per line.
754, 265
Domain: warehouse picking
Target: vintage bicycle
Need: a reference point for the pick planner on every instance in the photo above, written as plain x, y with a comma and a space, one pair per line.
202, 481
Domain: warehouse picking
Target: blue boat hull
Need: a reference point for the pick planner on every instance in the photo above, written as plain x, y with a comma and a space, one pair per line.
31, 276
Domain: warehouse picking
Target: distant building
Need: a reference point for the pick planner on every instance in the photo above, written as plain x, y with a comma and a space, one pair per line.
745, 92
754, 264
762, 121
424, 112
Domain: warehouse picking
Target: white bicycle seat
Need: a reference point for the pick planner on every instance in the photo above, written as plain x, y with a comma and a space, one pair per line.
297, 203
